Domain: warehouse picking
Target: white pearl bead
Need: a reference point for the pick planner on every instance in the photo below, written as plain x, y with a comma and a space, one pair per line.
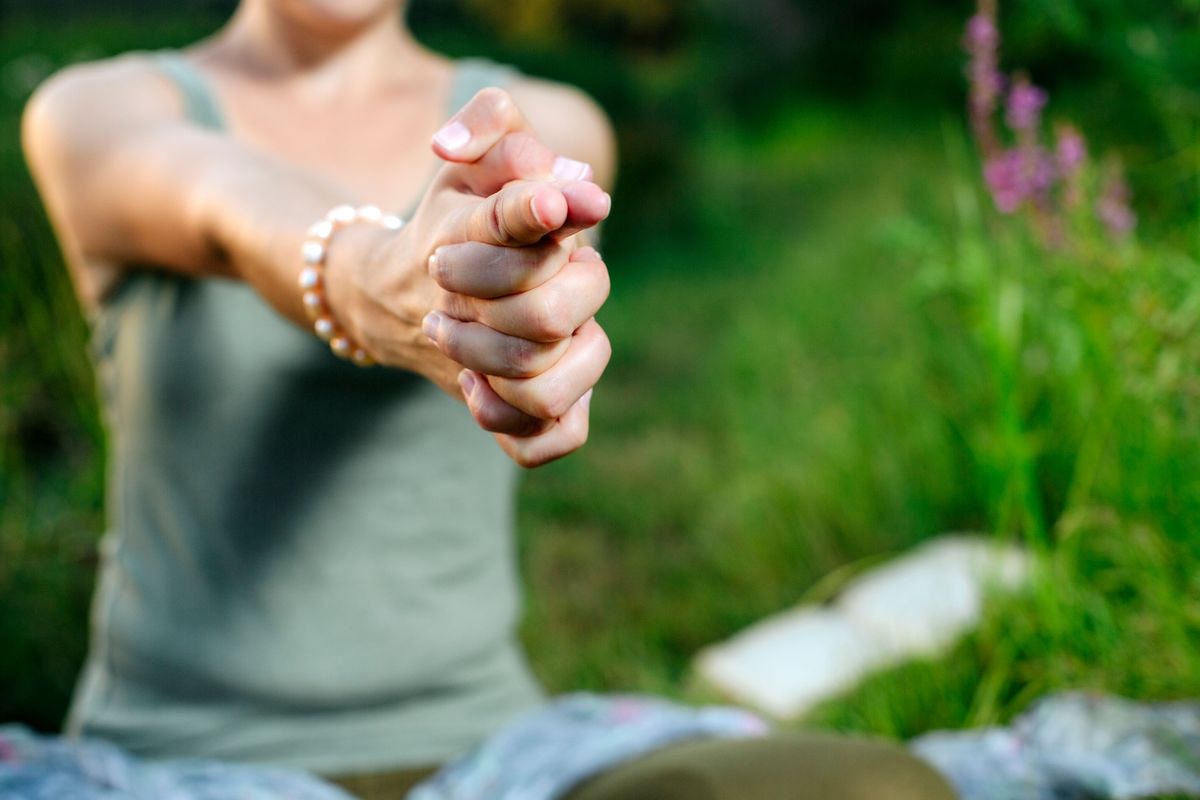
324, 327
314, 304
310, 278
369, 213
321, 230
342, 215
313, 252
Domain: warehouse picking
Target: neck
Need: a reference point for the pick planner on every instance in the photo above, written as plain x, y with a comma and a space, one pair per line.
327, 50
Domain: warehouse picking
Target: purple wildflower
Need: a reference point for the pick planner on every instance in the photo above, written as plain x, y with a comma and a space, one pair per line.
1018, 175
1112, 207
1070, 150
1003, 175
1040, 172
1025, 104
1029, 175
982, 35
981, 41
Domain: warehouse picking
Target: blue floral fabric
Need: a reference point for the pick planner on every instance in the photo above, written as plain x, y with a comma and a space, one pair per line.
539, 755
34, 767
1070, 746
1075, 746
546, 752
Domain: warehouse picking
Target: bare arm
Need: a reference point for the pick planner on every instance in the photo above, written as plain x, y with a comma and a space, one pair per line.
126, 181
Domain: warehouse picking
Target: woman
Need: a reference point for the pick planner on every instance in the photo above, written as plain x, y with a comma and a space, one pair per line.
310, 563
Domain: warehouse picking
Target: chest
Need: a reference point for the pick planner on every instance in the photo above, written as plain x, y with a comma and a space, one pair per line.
376, 146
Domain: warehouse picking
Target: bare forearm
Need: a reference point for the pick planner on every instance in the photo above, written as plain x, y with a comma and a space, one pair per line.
253, 214
127, 182
256, 214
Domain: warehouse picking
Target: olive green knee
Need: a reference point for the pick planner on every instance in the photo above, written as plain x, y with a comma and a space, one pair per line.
785, 767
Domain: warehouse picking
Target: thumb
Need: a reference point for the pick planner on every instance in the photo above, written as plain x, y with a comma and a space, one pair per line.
478, 126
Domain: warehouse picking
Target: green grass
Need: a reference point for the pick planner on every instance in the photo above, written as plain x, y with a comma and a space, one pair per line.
757, 428
776, 411
803, 384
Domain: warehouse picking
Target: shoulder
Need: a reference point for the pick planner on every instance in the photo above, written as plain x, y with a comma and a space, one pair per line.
70, 129
570, 122
79, 107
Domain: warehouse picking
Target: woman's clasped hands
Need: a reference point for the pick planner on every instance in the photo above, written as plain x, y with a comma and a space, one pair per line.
489, 290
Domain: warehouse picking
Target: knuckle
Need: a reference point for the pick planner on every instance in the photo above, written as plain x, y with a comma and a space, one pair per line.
603, 346
552, 403
594, 276
520, 356
533, 402
527, 459
495, 98
519, 150
451, 340
577, 436
604, 281
455, 305
549, 319
497, 225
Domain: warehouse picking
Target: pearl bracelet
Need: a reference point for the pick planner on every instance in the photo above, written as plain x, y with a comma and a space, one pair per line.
312, 277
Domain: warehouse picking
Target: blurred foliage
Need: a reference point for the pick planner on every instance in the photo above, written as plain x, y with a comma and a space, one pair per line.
665, 69
1125, 70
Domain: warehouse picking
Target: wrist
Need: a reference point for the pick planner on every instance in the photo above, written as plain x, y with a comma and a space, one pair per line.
378, 289
352, 264
313, 278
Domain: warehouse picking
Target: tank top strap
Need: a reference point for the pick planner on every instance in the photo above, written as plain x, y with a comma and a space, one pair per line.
473, 74
199, 103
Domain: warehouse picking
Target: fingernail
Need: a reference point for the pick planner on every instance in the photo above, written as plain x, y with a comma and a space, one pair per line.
586, 400
533, 207
466, 382
568, 169
433, 264
431, 324
607, 203
452, 136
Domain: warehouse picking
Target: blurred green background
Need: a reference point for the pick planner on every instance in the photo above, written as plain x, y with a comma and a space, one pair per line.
828, 346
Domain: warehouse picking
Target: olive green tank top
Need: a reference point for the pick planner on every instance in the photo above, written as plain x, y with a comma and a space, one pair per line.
307, 563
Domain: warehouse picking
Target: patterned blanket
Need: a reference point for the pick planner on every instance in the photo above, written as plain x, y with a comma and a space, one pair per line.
1069, 746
